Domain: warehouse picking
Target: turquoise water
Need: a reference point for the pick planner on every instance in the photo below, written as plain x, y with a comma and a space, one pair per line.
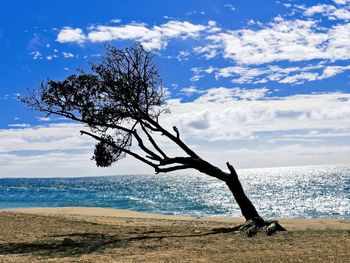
303, 192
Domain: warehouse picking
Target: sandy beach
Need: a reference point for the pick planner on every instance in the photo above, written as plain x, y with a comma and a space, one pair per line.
75, 234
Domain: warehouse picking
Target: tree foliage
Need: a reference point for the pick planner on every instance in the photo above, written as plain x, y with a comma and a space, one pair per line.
119, 95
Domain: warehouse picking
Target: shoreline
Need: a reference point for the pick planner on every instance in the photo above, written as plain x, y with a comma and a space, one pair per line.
107, 214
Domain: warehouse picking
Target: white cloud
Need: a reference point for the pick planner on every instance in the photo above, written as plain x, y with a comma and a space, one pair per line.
300, 78
51, 57
341, 2
174, 29
330, 11
318, 9
331, 71
296, 40
217, 108
155, 37
246, 75
288, 155
36, 55
255, 75
246, 113
116, 20
284, 39
44, 118
338, 47
183, 55
191, 90
231, 7
53, 137
199, 73
69, 34
212, 27
67, 55
222, 94
281, 40
341, 13
329, 113
19, 125
209, 51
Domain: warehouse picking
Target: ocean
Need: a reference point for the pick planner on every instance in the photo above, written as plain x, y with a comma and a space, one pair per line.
293, 192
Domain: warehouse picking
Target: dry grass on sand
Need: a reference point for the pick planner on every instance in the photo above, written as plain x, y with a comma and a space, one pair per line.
77, 235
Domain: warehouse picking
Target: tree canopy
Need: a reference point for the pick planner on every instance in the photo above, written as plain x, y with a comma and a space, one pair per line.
118, 96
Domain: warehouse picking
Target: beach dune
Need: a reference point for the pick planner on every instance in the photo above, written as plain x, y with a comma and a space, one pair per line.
76, 234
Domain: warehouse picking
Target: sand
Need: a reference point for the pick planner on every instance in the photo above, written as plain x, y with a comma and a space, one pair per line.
75, 234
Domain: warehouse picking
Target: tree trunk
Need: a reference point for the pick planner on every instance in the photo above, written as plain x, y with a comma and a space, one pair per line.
254, 223
231, 179
247, 208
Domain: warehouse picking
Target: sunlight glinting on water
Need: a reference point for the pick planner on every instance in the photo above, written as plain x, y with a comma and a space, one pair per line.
303, 192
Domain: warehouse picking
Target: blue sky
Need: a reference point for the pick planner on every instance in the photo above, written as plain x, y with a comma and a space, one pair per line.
256, 83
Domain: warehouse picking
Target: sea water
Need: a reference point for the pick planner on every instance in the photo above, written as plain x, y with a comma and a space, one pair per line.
297, 192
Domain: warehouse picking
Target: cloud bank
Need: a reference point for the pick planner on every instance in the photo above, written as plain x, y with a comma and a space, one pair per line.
229, 122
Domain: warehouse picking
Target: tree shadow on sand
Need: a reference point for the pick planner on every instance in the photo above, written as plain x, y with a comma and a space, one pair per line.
65, 245
77, 244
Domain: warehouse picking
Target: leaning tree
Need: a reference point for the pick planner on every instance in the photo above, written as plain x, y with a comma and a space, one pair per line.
120, 100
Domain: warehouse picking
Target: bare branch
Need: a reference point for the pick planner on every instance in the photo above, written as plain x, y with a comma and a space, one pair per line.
181, 160
175, 139
231, 169
144, 148
172, 168
151, 157
233, 174
176, 130
150, 138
